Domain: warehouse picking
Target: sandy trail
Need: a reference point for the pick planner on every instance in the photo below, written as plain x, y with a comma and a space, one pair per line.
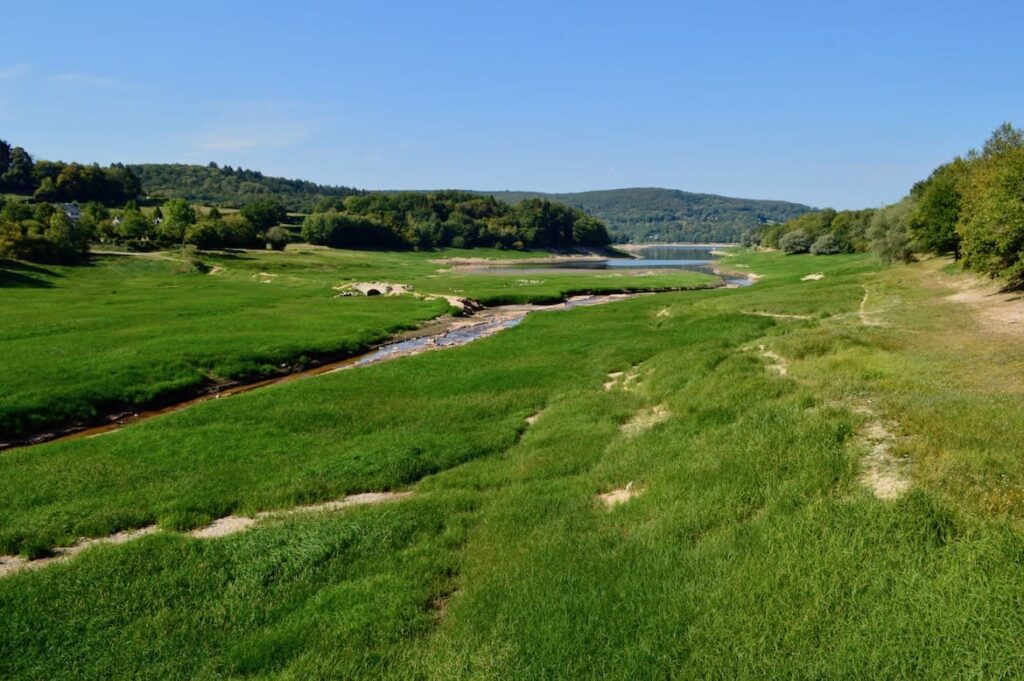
777, 362
884, 473
997, 310
644, 420
220, 527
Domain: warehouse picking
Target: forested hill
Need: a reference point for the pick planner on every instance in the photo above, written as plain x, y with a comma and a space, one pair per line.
231, 187
652, 214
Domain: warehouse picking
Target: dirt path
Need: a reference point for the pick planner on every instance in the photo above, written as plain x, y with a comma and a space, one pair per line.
220, 527
777, 362
866, 317
882, 471
996, 310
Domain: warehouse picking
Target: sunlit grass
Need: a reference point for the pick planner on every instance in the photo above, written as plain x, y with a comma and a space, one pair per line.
751, 549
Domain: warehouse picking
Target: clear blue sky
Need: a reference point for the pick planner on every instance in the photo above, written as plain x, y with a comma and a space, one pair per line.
841, 104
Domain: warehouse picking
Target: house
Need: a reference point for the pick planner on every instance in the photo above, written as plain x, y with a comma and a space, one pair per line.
73, 212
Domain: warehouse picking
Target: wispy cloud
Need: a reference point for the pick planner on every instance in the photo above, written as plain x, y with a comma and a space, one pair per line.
15, 72
250, 138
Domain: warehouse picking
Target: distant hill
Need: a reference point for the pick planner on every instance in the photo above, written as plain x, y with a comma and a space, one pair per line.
231, 187
652, 214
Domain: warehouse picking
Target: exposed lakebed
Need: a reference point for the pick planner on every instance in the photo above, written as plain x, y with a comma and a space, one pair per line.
445, 332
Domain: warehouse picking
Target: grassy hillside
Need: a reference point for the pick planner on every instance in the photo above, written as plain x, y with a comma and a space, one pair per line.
651, 214
230, 187
756, 545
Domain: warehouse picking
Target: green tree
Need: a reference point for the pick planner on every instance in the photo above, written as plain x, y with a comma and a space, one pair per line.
264, 213
5, 156
134, 226
179, 216
992, 215
1003, 138
933, 221
826, 244
589, 231
890, 234
278, 238
18, 177
797, 241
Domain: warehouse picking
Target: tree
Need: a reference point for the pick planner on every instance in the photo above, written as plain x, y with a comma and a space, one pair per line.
589, 231
180, 215
205, 234
933, 221
992, 215
797, 241
264, 213
18, 178
5, 156
278, 238
1003, 138
826, 244
347, 231
890, 234
134, 226
238, 232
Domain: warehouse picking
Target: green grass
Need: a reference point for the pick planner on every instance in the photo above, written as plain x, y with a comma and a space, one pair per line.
127, 330
752, 551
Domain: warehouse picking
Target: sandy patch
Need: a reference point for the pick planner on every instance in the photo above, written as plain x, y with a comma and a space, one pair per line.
996, 310
887, 475
664, 312
777, 362
533, 418
866, 317
618, 496
644, 420
817, 276
12, 564
625, 381
221, 527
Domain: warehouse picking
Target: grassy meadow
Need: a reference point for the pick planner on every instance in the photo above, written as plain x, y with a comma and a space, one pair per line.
128, 330
751, 548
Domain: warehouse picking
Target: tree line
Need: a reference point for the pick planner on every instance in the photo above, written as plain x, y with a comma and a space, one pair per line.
59, 181
971, 207
427, 220
228, 187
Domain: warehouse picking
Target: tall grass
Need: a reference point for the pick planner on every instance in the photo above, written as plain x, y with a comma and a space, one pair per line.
751, 550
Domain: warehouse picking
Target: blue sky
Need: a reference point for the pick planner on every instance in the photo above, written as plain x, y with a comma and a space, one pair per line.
841, 104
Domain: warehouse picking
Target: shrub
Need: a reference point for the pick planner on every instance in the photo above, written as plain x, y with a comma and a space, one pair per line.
278, 238
889, 233
826, 244
797, 241
205, 234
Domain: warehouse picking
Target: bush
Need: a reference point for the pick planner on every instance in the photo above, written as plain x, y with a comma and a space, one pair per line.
278, 238
238, 232
205, 234
797, 241
889, 233
826, 244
